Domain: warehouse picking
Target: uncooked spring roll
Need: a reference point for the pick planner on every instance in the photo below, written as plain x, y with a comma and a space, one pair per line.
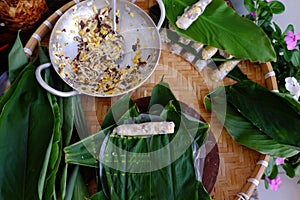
192, 14
223, 70
145, 129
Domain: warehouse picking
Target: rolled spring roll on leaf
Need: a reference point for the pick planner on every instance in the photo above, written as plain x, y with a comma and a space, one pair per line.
222, 71
208, 52
225, 54
192, 14
145, 129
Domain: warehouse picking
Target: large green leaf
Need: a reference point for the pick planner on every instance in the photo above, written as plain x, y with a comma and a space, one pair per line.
245, 133
221, 27
118, 171
243, 127
30, 133
24, 137
13, 86
117, 110
162, 95
86, 151
267, 110
167, 156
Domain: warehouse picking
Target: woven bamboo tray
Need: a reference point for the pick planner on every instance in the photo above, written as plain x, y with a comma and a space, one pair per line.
240, 168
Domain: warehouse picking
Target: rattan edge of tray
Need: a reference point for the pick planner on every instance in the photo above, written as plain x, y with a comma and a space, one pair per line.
267, 70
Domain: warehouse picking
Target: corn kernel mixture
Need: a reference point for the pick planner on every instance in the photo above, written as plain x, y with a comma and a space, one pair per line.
95, 70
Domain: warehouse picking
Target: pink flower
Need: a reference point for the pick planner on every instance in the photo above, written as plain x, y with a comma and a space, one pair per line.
274, 183
279, 161
253, 14
291, 40
268, 0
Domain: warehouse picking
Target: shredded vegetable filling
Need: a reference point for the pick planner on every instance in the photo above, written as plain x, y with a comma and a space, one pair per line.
95, 69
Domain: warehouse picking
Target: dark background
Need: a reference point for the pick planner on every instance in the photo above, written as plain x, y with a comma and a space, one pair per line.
7, 37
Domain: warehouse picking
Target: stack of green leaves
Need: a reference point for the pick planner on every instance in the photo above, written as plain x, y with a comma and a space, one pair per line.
35, 127
262, 120
132, 177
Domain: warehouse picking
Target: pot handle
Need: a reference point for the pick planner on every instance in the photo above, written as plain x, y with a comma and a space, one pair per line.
162, 14
39, 78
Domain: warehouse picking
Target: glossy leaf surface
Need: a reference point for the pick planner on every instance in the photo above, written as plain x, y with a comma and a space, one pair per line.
221, 27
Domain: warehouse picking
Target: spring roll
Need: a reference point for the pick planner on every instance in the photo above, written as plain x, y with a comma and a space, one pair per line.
225, 54
223, 70
208, 52
192, 14
145, 129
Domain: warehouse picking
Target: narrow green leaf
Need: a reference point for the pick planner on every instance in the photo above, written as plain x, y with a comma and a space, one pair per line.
207, 103
221, 27
246, 134
43, 174
63, 182
99, 196
68, 117
16, 59
56, 151
53, 156
270, 166
274, 172
71, 183
22, 148
80, 190
277, 28
266, 184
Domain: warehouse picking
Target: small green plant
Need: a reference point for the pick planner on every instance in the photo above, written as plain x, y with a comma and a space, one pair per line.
285, 43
